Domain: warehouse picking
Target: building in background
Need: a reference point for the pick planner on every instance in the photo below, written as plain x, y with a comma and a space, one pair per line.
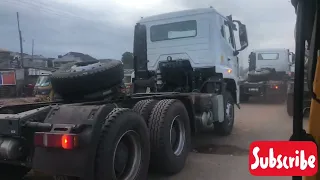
72, 57
17, 78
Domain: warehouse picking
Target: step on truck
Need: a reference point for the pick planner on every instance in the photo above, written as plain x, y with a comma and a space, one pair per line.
187, 61
268, 75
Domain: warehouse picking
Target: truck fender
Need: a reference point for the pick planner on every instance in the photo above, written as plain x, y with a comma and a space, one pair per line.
78, 162
233, 88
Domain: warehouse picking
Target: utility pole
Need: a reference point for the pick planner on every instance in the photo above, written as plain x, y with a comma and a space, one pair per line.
20, 38
32, 48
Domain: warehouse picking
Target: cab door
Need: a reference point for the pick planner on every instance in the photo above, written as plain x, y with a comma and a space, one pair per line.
229, 48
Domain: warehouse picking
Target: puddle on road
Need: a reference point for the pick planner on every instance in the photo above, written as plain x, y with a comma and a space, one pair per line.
221, 150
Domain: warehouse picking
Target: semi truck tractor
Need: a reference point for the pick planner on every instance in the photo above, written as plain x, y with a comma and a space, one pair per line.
188, 61
268, 74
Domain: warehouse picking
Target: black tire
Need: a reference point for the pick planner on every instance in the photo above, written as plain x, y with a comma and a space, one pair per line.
225, 128
12, 172
144, 108
290, 104
118, 124
69, 82
165, 114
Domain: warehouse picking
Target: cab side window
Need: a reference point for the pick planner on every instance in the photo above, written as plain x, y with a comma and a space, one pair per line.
222, 31
228, 35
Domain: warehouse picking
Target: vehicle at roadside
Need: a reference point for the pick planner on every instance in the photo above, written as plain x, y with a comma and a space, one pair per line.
306, 94
43, 88
268, 74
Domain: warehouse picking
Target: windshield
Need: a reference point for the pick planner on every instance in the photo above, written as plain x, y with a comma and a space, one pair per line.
268, 56
173, 30
43, 81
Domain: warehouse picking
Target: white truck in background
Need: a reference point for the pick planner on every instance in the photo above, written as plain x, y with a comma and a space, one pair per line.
269, 71
306, 95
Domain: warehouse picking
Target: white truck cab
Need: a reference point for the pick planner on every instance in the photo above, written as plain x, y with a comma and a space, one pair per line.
278, 59
269, 71
203, 36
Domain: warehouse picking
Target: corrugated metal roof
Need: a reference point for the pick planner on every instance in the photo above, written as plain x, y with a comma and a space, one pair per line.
75, 56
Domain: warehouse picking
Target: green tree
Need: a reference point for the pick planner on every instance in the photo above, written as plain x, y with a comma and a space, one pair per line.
127, 60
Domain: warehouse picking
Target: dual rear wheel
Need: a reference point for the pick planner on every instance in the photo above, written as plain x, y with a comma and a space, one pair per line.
154, 134
170, 134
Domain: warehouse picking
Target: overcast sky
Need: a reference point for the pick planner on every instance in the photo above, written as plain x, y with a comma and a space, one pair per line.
104, 28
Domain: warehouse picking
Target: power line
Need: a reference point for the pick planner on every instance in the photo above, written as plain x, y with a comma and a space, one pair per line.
49, 10
46, 8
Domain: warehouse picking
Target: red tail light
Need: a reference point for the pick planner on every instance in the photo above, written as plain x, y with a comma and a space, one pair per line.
56, 140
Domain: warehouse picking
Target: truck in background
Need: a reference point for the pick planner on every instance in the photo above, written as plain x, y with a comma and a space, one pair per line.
306, 94
268, 74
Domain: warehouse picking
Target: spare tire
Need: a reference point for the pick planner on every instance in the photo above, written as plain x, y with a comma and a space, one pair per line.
260, 75
81, 78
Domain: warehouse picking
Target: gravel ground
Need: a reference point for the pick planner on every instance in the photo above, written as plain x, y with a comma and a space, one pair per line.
225, 158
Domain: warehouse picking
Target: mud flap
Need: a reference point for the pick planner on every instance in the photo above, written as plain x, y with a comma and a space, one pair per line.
218, 106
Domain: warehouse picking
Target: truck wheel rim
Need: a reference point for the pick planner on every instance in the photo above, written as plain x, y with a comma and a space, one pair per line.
127, 156
229, 112
177, 135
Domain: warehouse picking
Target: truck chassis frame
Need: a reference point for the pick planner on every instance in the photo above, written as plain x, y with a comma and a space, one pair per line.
19, 123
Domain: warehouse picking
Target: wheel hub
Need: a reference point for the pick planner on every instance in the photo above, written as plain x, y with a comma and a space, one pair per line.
177, 135
229, 112
121, 158
127, 156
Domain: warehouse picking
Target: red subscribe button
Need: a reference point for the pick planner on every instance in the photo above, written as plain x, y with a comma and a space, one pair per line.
283, 158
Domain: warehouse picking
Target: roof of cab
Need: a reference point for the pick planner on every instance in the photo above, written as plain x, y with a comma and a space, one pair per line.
175, 14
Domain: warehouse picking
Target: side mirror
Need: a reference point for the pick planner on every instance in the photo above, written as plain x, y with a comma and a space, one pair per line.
293, 58
243, 37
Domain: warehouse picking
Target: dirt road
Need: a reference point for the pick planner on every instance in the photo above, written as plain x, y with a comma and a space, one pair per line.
225, 158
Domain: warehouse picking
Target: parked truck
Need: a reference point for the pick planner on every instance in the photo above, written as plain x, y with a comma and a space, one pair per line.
268, 74
187, 59
306, 94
